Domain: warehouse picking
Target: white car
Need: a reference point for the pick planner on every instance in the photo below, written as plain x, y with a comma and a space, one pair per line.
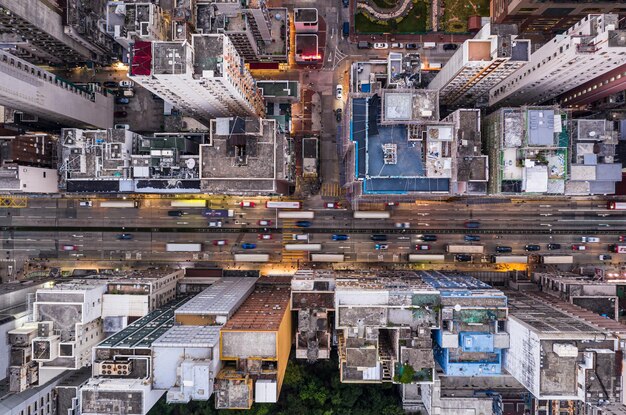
381, 45
339, 92
85, 203
122, 127
404, 225
215, 224
126, 84
590, 239
397, 45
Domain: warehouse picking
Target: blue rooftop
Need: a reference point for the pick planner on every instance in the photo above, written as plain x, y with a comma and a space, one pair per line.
463, 282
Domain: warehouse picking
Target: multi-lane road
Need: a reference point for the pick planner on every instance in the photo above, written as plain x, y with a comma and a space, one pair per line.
48, 227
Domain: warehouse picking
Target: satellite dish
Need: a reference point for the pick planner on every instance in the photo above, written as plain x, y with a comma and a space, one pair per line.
190, 163
457, 307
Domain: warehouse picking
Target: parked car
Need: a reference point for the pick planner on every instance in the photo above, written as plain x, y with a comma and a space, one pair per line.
338, 113
120, 114
247, 203
303, 224
412, 46
265, 236
125, 237
381, 247
70, 247
339, 92
265, 222
532, 247
248, 246
332, 205
622, 238
503, 249
122, 127
340, 237
426, 238
579, 247
110, 84
450, 46
378, 237
345, 3
605, 257
589, 239
422, 247
462, 258
85, 203
397, 45
381, 45
472, 224
126, 84
391, 204
215, 224
403, 225
122, 100
471, 238
300, 236
220, 242
175, 213
552, 247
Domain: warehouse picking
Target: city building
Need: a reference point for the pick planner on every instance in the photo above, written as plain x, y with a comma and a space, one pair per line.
479, 65
128, 22
307, 48
589, 49
17, 179
248, 156
83, 22
254, 347
310, 157
31, 149
548, 17
37, 92
604, 92
305, 20
279, 91
204, 78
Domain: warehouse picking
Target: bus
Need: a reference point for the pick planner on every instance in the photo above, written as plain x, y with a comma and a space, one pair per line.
283, 205
465, 249
303, 214
557, 259
252, 257
616, 205
509, 259
618, 249
371, 214
120, 204
327, 257
426, 258
189, 203
176, 247
303, 247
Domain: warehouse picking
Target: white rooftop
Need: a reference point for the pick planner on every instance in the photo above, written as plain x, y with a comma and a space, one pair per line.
221, 298
189, 336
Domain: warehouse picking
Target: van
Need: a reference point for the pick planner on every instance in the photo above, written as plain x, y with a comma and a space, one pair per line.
429, 45
346, 29
300, 236
472, 224
590, 239
378, 237
85, 203
363, 45
532, 247
503, 249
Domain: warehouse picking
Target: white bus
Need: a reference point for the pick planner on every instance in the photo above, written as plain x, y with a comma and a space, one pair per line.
557, 259
175, 247
303, 247
509, 259
120, 204
189, 203
283, 205
303, 214
426, 257
252, 257
465, 249
371, 214
327, 257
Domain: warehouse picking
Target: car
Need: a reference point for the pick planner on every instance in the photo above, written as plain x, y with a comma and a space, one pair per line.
472, 224
339, 92
122, 100
265, 222
247, 203
120, 114
332, 205
579, 247
175, 213
391, 204
85, 203
338, 113
422, 247
110, 84
605, 257
381, 247
345, 3
340, 237
403, 225
462, 258
303, 224
552, 247
220, 242
215, 224
471, 238
125, 237
265, 236
300, 236
532, 247
70, 247
381, 45
622, 238
126, 84
248, 246
412, 46
503, 249
450, 46
378, 237
122, 127
426, 238
397, 45
589, 239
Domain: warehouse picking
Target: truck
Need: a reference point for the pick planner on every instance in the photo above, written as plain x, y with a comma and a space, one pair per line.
283, 205
218, 213
189, 203
426, 258
120, 204
618, 249
557, 259
177, 247
327, 257
616, 205
465, 249
509, 259
303, 214
371, 214
252, 257
346, 29
303, 247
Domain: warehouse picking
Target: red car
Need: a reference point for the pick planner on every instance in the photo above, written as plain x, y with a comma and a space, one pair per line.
247, 203
622, 238
578, 247
332, 205
265, 236
70, 247
220, 242
264, 222
422, 247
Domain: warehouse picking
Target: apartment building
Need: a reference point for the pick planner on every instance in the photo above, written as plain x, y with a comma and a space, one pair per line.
204, 78
128, 22
590, 48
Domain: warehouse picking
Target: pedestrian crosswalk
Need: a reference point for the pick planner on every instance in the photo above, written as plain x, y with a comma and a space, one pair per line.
332, 190
291, 256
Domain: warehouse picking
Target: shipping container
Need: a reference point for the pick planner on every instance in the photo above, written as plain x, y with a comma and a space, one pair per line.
304, 214
371, 214
557, 259
283, 205
176, 247
219, 213
327, 257
252, 257
303, 247
426, 258
120, 204
465, 249
509, 259
189, 203
617, 205
618, 249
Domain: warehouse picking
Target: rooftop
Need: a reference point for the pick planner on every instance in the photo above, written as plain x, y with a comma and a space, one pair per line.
208, 54
169, 58
189, 336
416, 105
307, 46
391, 281
221, 298
305, 15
